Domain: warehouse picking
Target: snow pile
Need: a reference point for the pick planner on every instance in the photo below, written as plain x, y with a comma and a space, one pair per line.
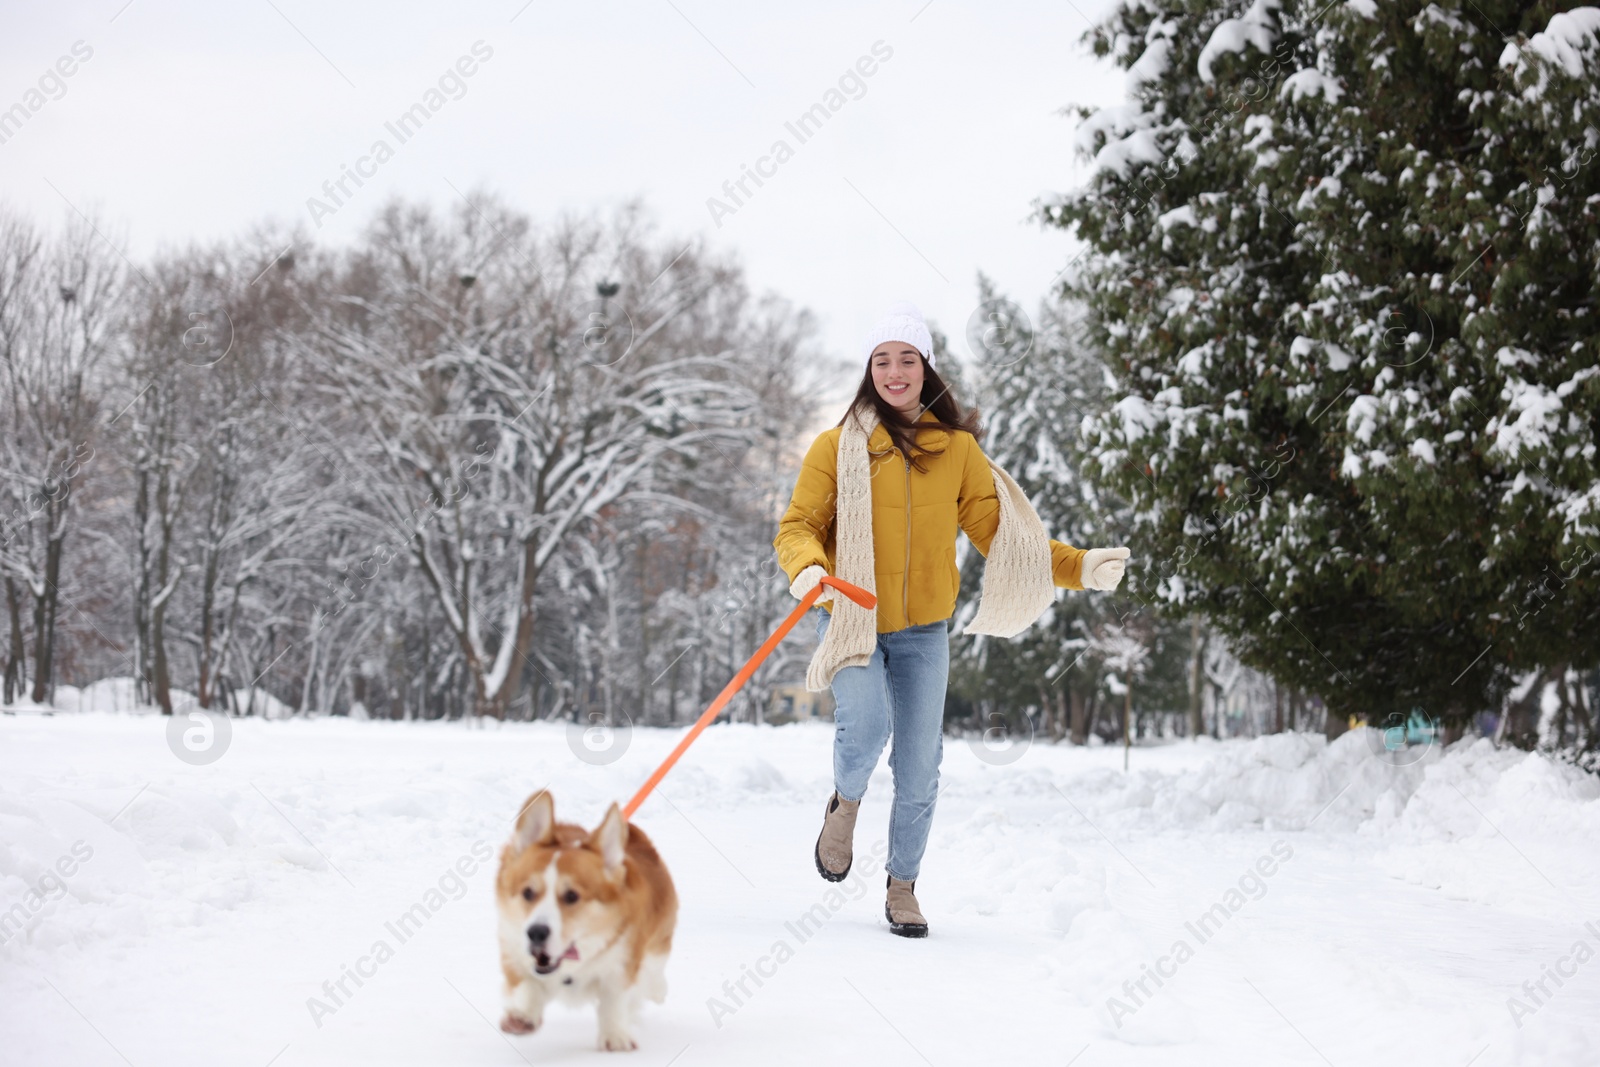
1159, 945
1120, 155
1309, 82
256, 701
67, 856
120, 695
1295, 781
1151, 65
1571, 40
1256, 28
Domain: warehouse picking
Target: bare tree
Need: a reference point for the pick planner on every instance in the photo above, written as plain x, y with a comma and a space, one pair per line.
513, 387
160, 457
60, 299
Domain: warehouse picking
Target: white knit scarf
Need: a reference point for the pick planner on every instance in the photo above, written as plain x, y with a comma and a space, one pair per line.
1017, 584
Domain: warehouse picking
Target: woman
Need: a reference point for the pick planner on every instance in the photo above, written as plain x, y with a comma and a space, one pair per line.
878, 502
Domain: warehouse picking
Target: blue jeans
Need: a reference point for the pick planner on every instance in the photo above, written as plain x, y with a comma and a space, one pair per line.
898, 693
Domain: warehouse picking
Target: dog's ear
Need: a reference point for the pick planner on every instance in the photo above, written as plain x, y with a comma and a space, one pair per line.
536, 821
610, 839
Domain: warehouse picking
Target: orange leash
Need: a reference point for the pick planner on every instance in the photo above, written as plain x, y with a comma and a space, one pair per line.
854, 592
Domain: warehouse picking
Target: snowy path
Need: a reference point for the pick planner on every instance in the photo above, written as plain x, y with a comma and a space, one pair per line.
219, 899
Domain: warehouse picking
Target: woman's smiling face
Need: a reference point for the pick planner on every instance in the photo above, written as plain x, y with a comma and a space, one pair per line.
897, 375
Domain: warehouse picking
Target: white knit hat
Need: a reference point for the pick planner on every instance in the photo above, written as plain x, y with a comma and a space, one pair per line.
903, 323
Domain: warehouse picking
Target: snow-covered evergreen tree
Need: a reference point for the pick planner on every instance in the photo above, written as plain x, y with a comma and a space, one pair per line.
1344, 263
1036, 384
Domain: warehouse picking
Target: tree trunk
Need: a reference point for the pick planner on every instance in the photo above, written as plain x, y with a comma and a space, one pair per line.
208, 592
1591, 715
512, 686
1079, 713
1566, 711
311, 661
17, 653
672, 691
1334, 724
161, 681
1586, 715
1519, 726
44, 624
1451, 731
1198, 638
142, 592
1127, 722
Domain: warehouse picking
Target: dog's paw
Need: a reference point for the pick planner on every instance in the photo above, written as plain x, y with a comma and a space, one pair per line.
516, 1024
617, 1041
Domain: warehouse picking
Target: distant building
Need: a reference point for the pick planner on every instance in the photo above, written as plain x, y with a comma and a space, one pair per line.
793, 702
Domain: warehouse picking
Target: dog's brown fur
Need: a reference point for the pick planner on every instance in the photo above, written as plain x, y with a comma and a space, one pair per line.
607, 894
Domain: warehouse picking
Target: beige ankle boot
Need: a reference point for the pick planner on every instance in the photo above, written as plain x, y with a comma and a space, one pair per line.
905, 918
833, 851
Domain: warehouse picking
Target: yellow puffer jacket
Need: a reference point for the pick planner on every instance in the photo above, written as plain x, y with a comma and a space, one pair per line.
915, 515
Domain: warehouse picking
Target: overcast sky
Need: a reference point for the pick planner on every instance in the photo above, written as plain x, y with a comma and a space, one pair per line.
192, 121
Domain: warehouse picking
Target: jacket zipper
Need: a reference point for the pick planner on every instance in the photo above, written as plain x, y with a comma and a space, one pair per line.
905, 577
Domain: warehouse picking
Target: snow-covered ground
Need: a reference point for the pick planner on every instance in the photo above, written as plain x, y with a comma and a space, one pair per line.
1363, 910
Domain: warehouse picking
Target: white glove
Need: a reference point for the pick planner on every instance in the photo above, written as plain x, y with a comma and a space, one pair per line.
1103, 567
806, 580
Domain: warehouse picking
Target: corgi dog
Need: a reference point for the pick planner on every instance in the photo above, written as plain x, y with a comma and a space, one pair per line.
583, 916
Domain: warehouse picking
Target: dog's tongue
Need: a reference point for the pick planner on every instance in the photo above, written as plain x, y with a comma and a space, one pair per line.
571, 953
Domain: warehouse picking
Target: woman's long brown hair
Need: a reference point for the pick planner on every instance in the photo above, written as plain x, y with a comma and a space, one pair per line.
936, 397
